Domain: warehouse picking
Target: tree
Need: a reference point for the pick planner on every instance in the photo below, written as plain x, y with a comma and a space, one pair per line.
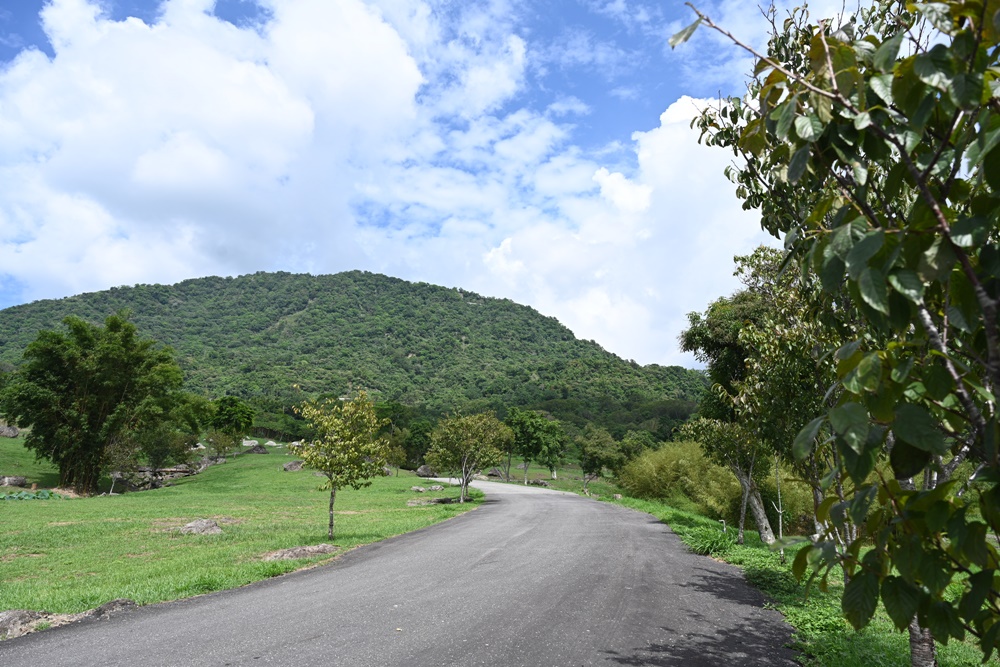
715, 340
536, 438
82, 389
467, 444
233, 416
347, 448
871, 147
598, 450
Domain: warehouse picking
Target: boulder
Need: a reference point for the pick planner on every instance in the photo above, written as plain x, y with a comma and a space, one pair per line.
495, 472
197, 445
109, 609
426, 471
13, 481
15, 622
418, 489
270, 443
386, 471
250, 443
539, 482
202, 527
295, 443
301, 552
8, 431
257, 449
436, 487
617, 496
293, 466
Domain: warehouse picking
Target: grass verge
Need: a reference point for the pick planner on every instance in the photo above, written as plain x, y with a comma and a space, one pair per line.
822, 635
67, 556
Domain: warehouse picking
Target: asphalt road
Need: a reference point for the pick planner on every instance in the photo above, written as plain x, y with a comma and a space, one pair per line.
532, 578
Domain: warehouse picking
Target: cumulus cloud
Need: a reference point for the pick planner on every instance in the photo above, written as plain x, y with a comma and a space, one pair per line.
391, 135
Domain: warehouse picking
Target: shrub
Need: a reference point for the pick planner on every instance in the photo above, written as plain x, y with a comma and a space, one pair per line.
680, 474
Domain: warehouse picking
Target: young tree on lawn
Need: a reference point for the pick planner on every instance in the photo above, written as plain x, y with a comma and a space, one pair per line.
871, 146
598, 451
536, 438
84, 388
347, 449
467, 444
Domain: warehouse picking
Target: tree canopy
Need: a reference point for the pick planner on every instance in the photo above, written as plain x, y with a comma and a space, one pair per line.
82, 389
869, 144
467, 444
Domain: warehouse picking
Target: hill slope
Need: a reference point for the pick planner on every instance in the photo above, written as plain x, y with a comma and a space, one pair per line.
280, 337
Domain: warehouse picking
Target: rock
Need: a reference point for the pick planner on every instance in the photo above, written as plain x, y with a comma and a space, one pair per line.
257, 449
426, 471
16, 622
386, 471
202, 527
250, 443
301, 552
271, 443
8, 431
539, 482
13, 481
495, 472
293, 466
418, 489
436, 487
295, 443
109, 609
198, 445
617, 496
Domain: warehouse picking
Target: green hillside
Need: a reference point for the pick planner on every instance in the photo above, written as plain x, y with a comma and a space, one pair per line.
278, 338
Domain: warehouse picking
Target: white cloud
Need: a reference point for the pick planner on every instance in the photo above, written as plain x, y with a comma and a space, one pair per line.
394, 135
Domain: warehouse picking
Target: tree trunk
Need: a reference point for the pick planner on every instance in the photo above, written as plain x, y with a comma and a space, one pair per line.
506, 471
553, 471
751, 495
526, 472
922, 650
743, 510
333, 496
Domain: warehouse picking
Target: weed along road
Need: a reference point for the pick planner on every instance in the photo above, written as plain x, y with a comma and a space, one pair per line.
533, 577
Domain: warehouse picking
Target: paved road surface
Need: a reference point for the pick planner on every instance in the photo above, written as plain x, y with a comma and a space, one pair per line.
532, 578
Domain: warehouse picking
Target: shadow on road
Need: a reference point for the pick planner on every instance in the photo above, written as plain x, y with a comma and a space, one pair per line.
743, 645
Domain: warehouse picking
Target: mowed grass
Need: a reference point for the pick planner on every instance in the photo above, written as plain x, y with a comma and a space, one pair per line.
821, 633
66, 556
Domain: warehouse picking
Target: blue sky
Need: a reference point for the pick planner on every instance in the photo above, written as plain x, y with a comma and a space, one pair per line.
538, 151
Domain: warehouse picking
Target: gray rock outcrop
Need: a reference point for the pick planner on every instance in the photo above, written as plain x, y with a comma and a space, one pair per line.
13, 481
293, 466
8, 431
257, 449
426, 471
202, 527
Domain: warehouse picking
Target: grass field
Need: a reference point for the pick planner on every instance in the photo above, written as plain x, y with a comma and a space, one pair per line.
66, 556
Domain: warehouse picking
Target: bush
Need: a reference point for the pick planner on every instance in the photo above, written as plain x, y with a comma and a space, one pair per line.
679, 474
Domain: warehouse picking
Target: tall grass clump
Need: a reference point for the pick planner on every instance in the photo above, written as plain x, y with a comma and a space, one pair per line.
679, 474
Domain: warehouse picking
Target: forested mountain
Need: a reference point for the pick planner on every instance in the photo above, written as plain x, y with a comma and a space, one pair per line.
278, 338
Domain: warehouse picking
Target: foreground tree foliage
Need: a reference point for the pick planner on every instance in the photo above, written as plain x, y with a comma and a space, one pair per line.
347, 450
82, 390
871, 147
468, 444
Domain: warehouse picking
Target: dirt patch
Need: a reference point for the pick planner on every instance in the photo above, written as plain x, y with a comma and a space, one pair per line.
301, 552
67, 493
18, 622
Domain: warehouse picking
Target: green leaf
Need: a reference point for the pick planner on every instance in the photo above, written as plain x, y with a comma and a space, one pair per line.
864, 250
943, 622
860, 599
806, 439
938, 13
966, 90
882, 86
797, 165
871, 284
862, 120
908, 283
915, 425
786, 115
886, 54
808, 128
850, 421
801, 562
907, 461
980, 585
684, 35
901, 601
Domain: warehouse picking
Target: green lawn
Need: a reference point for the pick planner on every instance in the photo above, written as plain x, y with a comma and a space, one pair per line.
66, 556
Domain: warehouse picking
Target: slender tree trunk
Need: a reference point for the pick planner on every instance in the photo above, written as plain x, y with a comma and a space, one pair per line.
751, 496
333, 496
510, 457
553, 471
922, 650
526, 472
